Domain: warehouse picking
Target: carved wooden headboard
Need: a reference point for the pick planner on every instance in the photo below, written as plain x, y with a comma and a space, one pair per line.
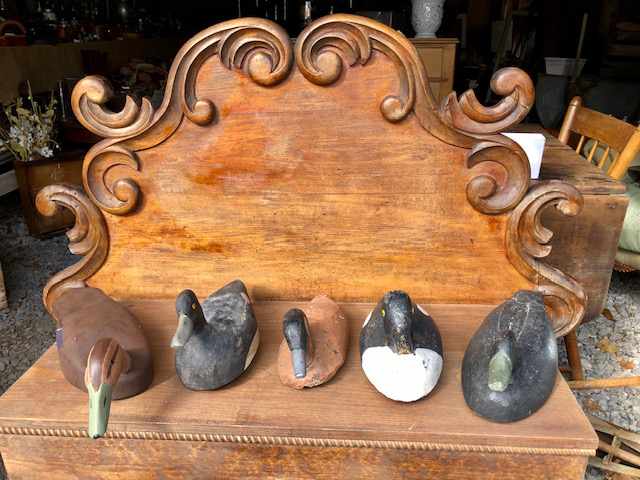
324, 167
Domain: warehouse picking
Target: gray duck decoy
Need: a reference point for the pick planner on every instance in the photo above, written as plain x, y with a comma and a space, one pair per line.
401, 349
216, 342
511, 363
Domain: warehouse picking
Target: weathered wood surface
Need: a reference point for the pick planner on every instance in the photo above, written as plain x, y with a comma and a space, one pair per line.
302, 189
346, 411
585, 246
29, 458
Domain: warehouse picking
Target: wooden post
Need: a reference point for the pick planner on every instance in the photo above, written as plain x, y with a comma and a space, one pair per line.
3, 292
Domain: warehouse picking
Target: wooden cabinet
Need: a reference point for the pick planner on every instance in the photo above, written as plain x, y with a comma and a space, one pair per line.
439, 57
65, 167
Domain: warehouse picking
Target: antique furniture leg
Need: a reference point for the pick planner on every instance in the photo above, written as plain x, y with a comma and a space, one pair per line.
573, 355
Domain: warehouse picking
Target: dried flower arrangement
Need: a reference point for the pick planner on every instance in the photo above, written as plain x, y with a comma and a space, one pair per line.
31, 130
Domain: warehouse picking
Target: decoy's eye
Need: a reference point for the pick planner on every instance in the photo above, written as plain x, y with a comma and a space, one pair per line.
382, 312
193, 306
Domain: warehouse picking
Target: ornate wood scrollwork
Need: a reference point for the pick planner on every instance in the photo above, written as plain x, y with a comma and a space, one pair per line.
498, 168
527, 241
88, 237
470, 116
258, 47
88, 101
119, 197
488, 191
329, 44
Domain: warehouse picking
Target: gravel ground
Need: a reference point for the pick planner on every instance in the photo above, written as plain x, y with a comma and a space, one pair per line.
26, 331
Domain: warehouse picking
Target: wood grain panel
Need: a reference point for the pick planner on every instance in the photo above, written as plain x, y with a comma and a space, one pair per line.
154, 459
300, 188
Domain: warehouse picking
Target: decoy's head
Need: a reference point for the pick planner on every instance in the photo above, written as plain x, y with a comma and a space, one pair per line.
397, 315
106, 361
190, 318
295, 328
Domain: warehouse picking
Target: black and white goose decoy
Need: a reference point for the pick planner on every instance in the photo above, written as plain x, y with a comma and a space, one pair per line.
401, 348
511, 363
216, 342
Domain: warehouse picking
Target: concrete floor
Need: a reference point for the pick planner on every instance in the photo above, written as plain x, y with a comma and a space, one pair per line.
26, 330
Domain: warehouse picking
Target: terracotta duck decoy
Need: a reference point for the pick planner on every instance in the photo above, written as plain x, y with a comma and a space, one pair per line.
216, 342
511, 363
401, 348
315, 345
102, 349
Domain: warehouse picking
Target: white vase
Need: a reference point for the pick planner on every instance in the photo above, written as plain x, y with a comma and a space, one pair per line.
426, 17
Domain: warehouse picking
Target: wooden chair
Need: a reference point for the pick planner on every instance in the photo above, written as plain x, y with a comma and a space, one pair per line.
613, 135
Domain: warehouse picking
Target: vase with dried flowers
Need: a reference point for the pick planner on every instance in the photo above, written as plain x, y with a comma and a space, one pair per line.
31, 128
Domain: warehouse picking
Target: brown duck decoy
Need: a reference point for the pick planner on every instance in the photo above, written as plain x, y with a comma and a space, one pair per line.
315, 345
102, 349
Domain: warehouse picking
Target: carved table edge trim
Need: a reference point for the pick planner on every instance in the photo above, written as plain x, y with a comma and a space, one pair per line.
297, 441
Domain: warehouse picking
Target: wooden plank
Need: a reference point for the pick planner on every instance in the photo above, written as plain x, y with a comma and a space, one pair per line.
320, 193
67, 458
346, 409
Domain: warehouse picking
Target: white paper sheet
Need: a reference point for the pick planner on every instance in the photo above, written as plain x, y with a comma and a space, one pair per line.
533, 146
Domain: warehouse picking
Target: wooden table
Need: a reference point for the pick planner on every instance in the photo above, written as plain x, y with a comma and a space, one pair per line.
584, 246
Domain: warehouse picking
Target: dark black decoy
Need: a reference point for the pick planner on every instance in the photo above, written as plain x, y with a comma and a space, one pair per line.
216, 342
511, 363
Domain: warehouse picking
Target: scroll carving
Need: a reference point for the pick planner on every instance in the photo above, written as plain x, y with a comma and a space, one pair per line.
527, 242
88, 237
88, 101
469, 115
488, 191
119, 197
329, 44
258, 47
